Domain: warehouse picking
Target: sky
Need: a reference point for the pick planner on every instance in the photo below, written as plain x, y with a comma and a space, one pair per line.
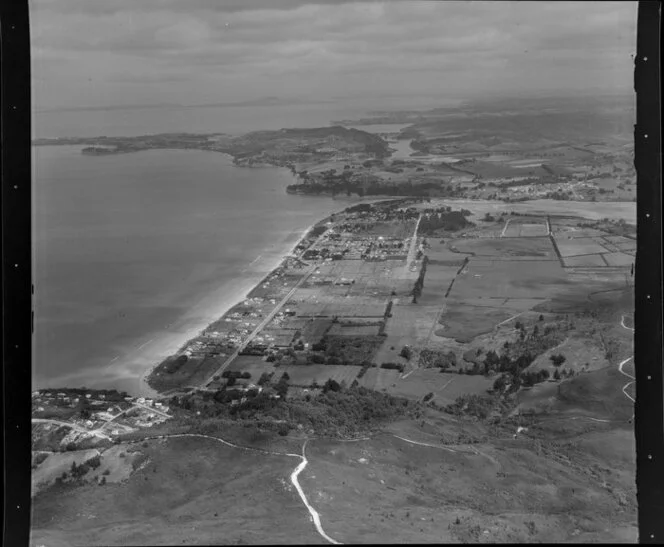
95, 53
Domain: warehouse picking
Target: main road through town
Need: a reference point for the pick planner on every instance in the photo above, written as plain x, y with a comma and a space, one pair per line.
267, 319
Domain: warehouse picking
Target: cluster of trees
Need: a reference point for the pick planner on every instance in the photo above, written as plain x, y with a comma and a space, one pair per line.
348, 350
479, 406
437, 358
534, 377
265, 378
393, 366
443, 219
365, 367
236, 374
233, 375
419, 282
78, 471
112, 395
558, 359
338, 410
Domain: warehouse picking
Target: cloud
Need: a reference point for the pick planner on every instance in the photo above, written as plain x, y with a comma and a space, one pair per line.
232, 44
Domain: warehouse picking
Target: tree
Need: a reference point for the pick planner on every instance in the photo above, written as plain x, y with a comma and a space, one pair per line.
282, 388
406, 352
264, 379
499, 383
331, 385
558, 359
556, 374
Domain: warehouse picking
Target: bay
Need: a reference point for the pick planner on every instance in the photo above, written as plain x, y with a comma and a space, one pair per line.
136, 253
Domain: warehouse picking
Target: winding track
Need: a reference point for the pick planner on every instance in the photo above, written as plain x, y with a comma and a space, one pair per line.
623, 363
315, 517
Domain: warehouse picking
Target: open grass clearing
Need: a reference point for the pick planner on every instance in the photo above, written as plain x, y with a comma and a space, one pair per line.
619, 259
445, 386
584, 261
56, 464
579, 246
189, 487
387, 490
509, 279
253, 364
539, 248
581, 354
463, 322
305, 375
380, 379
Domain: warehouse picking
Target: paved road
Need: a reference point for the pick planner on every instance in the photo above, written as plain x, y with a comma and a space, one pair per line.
413, 244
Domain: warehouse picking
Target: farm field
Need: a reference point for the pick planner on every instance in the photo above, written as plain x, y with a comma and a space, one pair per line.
446, 387
584, 261
579, 246
518, 229
619, 259
536, 248
253, 364
305, 375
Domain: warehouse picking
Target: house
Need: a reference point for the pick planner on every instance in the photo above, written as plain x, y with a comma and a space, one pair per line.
128, 399
149, 402
88, 395
158, 404
141, 400
89, 423
62, 394
102, 396
75, 400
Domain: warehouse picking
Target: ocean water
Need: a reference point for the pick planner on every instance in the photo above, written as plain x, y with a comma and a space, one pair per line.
135, 253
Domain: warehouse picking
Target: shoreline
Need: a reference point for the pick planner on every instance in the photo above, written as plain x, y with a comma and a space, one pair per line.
229, 305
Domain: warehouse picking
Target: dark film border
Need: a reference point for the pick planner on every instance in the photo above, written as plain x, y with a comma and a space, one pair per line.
649, 406
16, 319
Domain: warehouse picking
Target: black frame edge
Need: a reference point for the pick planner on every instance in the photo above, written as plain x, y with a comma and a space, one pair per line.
15, 134
649, 406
